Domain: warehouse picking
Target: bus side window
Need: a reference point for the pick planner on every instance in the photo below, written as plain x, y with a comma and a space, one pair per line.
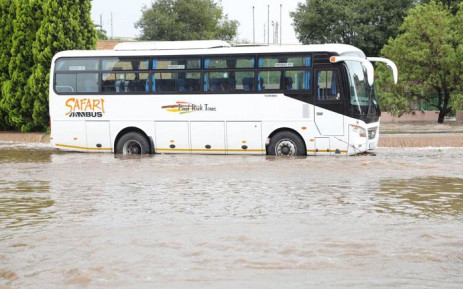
288, 83
296, 80
327, 88
124, 82
260, 85
171, 82
271, 79
248, 83
65, 83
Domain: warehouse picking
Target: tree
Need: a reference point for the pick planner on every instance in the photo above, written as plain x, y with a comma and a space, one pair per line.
25, 26
101, 34
458, 23
7, 15
428, 52
452, 5
66, 25
367, 24
186, 20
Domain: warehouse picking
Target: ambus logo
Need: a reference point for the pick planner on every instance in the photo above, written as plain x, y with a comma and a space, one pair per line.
85, 107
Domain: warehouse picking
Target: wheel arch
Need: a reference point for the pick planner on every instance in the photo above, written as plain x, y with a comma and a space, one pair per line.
284, 129
134, 129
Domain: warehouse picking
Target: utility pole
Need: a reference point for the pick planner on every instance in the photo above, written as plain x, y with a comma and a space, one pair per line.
112, 34
281, 24
276, 33
265, 33
273, 32
268, 24
100, 26
253, 27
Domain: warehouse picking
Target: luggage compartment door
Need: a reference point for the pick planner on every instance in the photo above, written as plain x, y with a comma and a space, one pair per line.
244, 138
208, 137
98, 136
172, 137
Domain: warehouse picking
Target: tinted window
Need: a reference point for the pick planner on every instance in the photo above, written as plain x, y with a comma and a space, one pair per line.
269, 80
124, 64
76, 82
297, 80
176, 82
228, 62
284, 61
77, 64
244, 81
124, 82
231, 81
177, 63
66, 83
327, 88
218, 82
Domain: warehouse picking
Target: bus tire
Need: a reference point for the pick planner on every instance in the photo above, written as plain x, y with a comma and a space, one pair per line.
286, 143
132, 143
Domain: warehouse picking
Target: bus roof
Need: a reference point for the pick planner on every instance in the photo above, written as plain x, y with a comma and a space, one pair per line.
170, 45
216, 47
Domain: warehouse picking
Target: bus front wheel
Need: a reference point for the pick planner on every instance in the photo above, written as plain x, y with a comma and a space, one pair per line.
286, 143
132, 143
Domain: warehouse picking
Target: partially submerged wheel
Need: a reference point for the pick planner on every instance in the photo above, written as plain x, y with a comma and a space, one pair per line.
132, 143
286, 143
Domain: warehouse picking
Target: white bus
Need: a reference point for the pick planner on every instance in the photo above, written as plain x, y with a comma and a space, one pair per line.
210, 98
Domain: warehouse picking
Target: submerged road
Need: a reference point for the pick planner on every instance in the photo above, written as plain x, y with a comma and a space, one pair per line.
81, 220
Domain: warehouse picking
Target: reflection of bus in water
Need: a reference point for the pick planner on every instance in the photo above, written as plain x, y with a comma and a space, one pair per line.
207, 97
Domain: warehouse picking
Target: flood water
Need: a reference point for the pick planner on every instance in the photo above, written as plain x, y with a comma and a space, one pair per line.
75, 220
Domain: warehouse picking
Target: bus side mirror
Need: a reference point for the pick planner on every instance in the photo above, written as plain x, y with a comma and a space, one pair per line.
389, 64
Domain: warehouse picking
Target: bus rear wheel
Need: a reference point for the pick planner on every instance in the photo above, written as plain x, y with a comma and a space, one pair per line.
132, 143
286, 143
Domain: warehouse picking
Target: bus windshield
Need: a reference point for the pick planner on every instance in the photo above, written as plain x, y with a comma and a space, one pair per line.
360, 91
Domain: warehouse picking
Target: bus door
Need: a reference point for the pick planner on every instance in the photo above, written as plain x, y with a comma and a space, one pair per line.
328, 101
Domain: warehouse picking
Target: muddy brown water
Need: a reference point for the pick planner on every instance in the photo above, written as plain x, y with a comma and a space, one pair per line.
77, 220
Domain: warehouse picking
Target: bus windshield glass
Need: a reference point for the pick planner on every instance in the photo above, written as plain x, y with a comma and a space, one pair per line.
359, 89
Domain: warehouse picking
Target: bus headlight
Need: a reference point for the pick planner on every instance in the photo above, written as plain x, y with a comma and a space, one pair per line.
372, 132
360, 130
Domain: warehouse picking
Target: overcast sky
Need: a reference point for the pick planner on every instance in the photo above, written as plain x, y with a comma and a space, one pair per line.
127, 12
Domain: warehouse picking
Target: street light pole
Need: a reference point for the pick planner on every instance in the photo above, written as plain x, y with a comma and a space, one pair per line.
268, 24
253, 27
281, 24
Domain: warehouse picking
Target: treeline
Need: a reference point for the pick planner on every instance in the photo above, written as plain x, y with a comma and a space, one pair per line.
170, 20
424, 38
32, 31
429, 54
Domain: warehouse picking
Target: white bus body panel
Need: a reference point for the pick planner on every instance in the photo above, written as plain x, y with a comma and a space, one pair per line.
172, 137
244, 138
322, 146
69, 135
207, 137
98, 135
328, 122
